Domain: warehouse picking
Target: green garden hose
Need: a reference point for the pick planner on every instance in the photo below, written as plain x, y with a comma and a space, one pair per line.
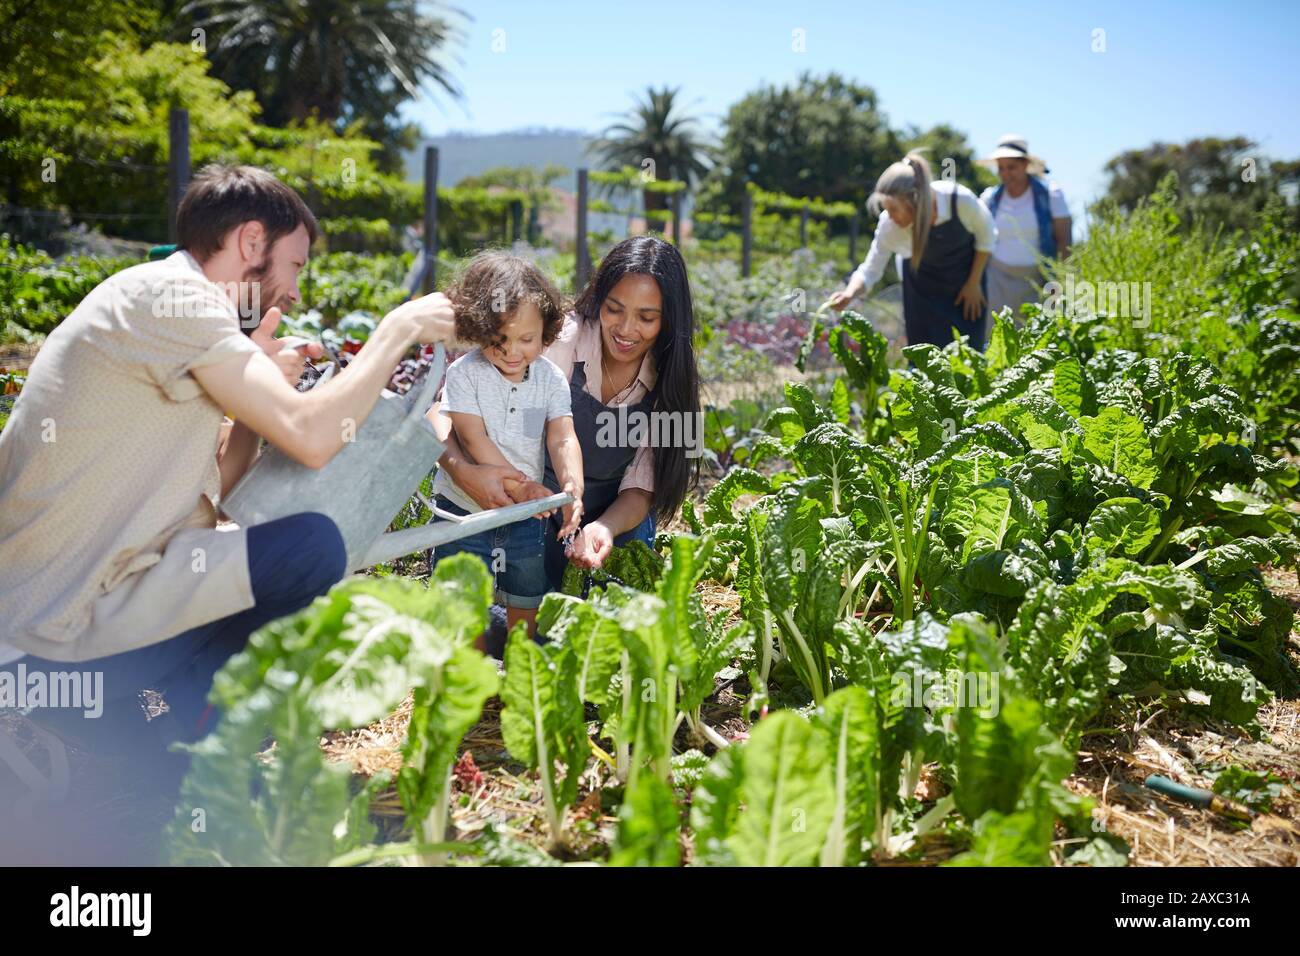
1197, 797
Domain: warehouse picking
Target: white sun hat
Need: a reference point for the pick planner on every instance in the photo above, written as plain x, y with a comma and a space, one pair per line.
1014, 146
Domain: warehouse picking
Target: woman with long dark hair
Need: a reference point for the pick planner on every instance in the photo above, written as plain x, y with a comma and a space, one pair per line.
628, 351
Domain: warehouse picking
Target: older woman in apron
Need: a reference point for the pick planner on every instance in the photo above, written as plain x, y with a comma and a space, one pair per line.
628, 351
942, 234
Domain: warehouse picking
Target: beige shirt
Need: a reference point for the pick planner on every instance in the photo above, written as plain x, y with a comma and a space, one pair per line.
580, 342
108, 473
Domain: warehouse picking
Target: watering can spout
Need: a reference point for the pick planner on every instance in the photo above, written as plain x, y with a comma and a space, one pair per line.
395, 544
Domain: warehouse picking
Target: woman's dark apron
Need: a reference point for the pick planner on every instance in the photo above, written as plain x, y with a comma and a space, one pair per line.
930, 312
603, 464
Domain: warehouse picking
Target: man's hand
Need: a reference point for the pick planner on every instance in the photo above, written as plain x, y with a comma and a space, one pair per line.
487, 484
312, 426
289, 361
433, 317
525, 490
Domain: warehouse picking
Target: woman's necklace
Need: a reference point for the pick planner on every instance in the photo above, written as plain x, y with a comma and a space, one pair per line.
609, 378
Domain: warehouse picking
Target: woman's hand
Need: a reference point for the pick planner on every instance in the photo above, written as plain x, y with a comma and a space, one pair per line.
486, 483
591, 546
839, 301
971, 300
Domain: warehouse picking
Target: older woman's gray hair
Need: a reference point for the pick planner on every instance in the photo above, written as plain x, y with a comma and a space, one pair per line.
908, 181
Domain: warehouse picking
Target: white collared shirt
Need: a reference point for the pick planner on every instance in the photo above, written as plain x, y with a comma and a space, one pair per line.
1018, 243
893, 239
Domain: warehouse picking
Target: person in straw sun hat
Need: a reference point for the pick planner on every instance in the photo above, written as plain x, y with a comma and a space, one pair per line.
1033, 224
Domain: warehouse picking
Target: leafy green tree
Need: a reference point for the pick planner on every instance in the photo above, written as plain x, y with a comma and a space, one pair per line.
1221, 182
47, 49
100, 149
825, 136
943, 143
535, 182
657, 130
340, 61
46, 45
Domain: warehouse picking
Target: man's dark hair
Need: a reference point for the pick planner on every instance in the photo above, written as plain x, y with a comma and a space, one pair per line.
220, 198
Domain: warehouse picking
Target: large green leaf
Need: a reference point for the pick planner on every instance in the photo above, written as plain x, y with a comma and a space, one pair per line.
1070, 386
805, 405
864, 366
849, 720
445, 707
715, 808
1179, 660
1118, 442
831, 452
542, 717
347, 659
594, 638
1009, 839
1254, 623
649, 822
787, 794
737, 482
1122, 525
991, 517
916, 417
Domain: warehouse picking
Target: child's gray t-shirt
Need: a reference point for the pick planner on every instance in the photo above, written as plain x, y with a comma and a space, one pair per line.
514, 413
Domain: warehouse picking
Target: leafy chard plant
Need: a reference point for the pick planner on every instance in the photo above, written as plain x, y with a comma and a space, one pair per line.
542, 721
647, 658
344, 662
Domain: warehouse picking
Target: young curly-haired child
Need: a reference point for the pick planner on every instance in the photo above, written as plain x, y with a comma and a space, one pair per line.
510, 406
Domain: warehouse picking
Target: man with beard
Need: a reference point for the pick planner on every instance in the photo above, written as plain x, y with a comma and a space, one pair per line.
113, 464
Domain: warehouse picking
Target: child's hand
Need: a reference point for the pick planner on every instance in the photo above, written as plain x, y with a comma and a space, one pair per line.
573, 511
592, 546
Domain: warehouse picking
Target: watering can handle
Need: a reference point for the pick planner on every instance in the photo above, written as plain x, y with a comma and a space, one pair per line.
421, 402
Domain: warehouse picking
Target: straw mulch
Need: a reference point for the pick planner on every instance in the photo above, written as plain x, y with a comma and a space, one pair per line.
1175, 742
1154, 739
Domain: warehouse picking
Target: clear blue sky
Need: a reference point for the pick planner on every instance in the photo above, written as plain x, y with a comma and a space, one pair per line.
1170, 70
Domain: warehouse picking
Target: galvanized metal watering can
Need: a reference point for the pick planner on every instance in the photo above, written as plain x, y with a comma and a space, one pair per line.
369, 480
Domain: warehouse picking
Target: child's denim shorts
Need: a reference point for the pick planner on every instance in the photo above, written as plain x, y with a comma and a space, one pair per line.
513, 554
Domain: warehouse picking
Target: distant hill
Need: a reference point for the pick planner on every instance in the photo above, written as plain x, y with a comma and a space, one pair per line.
468, 154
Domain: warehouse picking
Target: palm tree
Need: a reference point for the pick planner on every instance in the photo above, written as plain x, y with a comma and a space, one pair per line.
656, 130
338, 59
